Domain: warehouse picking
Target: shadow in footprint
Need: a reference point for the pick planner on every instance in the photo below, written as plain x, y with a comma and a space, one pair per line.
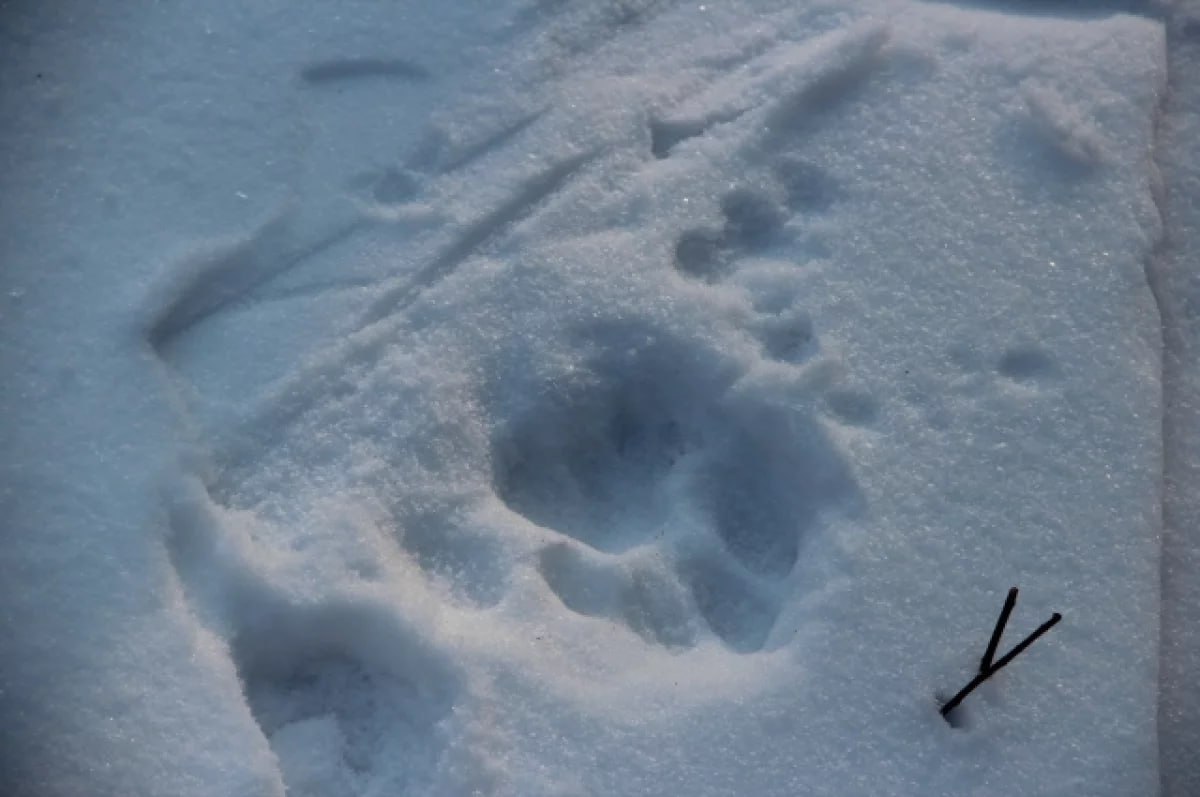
655, 605
767, 489
732, 605
787, 337
700, 254
584, 586
349, 701
470, 563
594, 463
645, 597
752, 222
852, 407
393, 187
652, 451
665, 135
808, 187
752, 218
1027, 365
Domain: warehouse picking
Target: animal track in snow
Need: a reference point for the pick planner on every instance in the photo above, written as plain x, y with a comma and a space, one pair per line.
341, 685
643, 594
754, 223
675, 499
318, 699
852, 407
1027, 365
392, 187
752, 218
733, 606
597, 464
700, 254
787, 336
671, 501
808, 187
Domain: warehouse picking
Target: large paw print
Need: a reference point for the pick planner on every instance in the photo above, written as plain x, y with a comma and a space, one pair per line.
679, 504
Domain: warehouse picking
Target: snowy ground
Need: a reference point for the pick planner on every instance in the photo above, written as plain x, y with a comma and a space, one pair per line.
580, 398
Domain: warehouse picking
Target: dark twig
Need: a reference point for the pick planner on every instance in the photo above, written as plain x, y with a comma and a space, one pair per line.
953, 702
1027, 641
983, 675
986, 663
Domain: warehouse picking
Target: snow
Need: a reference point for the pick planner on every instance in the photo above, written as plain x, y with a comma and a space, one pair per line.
1175, 284
546, 398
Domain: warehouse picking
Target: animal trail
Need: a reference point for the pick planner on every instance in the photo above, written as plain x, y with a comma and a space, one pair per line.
1067, 9
584, 586
655, 605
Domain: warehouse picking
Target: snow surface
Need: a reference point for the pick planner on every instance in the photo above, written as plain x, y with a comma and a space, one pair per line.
569, 398
1175, 281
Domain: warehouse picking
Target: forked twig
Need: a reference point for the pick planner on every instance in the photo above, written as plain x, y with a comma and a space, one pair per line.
986, 668
994, 642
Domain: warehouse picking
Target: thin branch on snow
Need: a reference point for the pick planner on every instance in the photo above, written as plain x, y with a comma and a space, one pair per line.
986, 668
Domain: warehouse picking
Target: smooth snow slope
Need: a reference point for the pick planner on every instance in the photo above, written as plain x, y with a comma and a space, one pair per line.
546, 398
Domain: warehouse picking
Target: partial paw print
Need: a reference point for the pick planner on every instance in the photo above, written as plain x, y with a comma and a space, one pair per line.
1029, 366
808, 188
674, 504
1026, 367
982, 378
640, 590
341, 684
340, 702
388, 188
752, 223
